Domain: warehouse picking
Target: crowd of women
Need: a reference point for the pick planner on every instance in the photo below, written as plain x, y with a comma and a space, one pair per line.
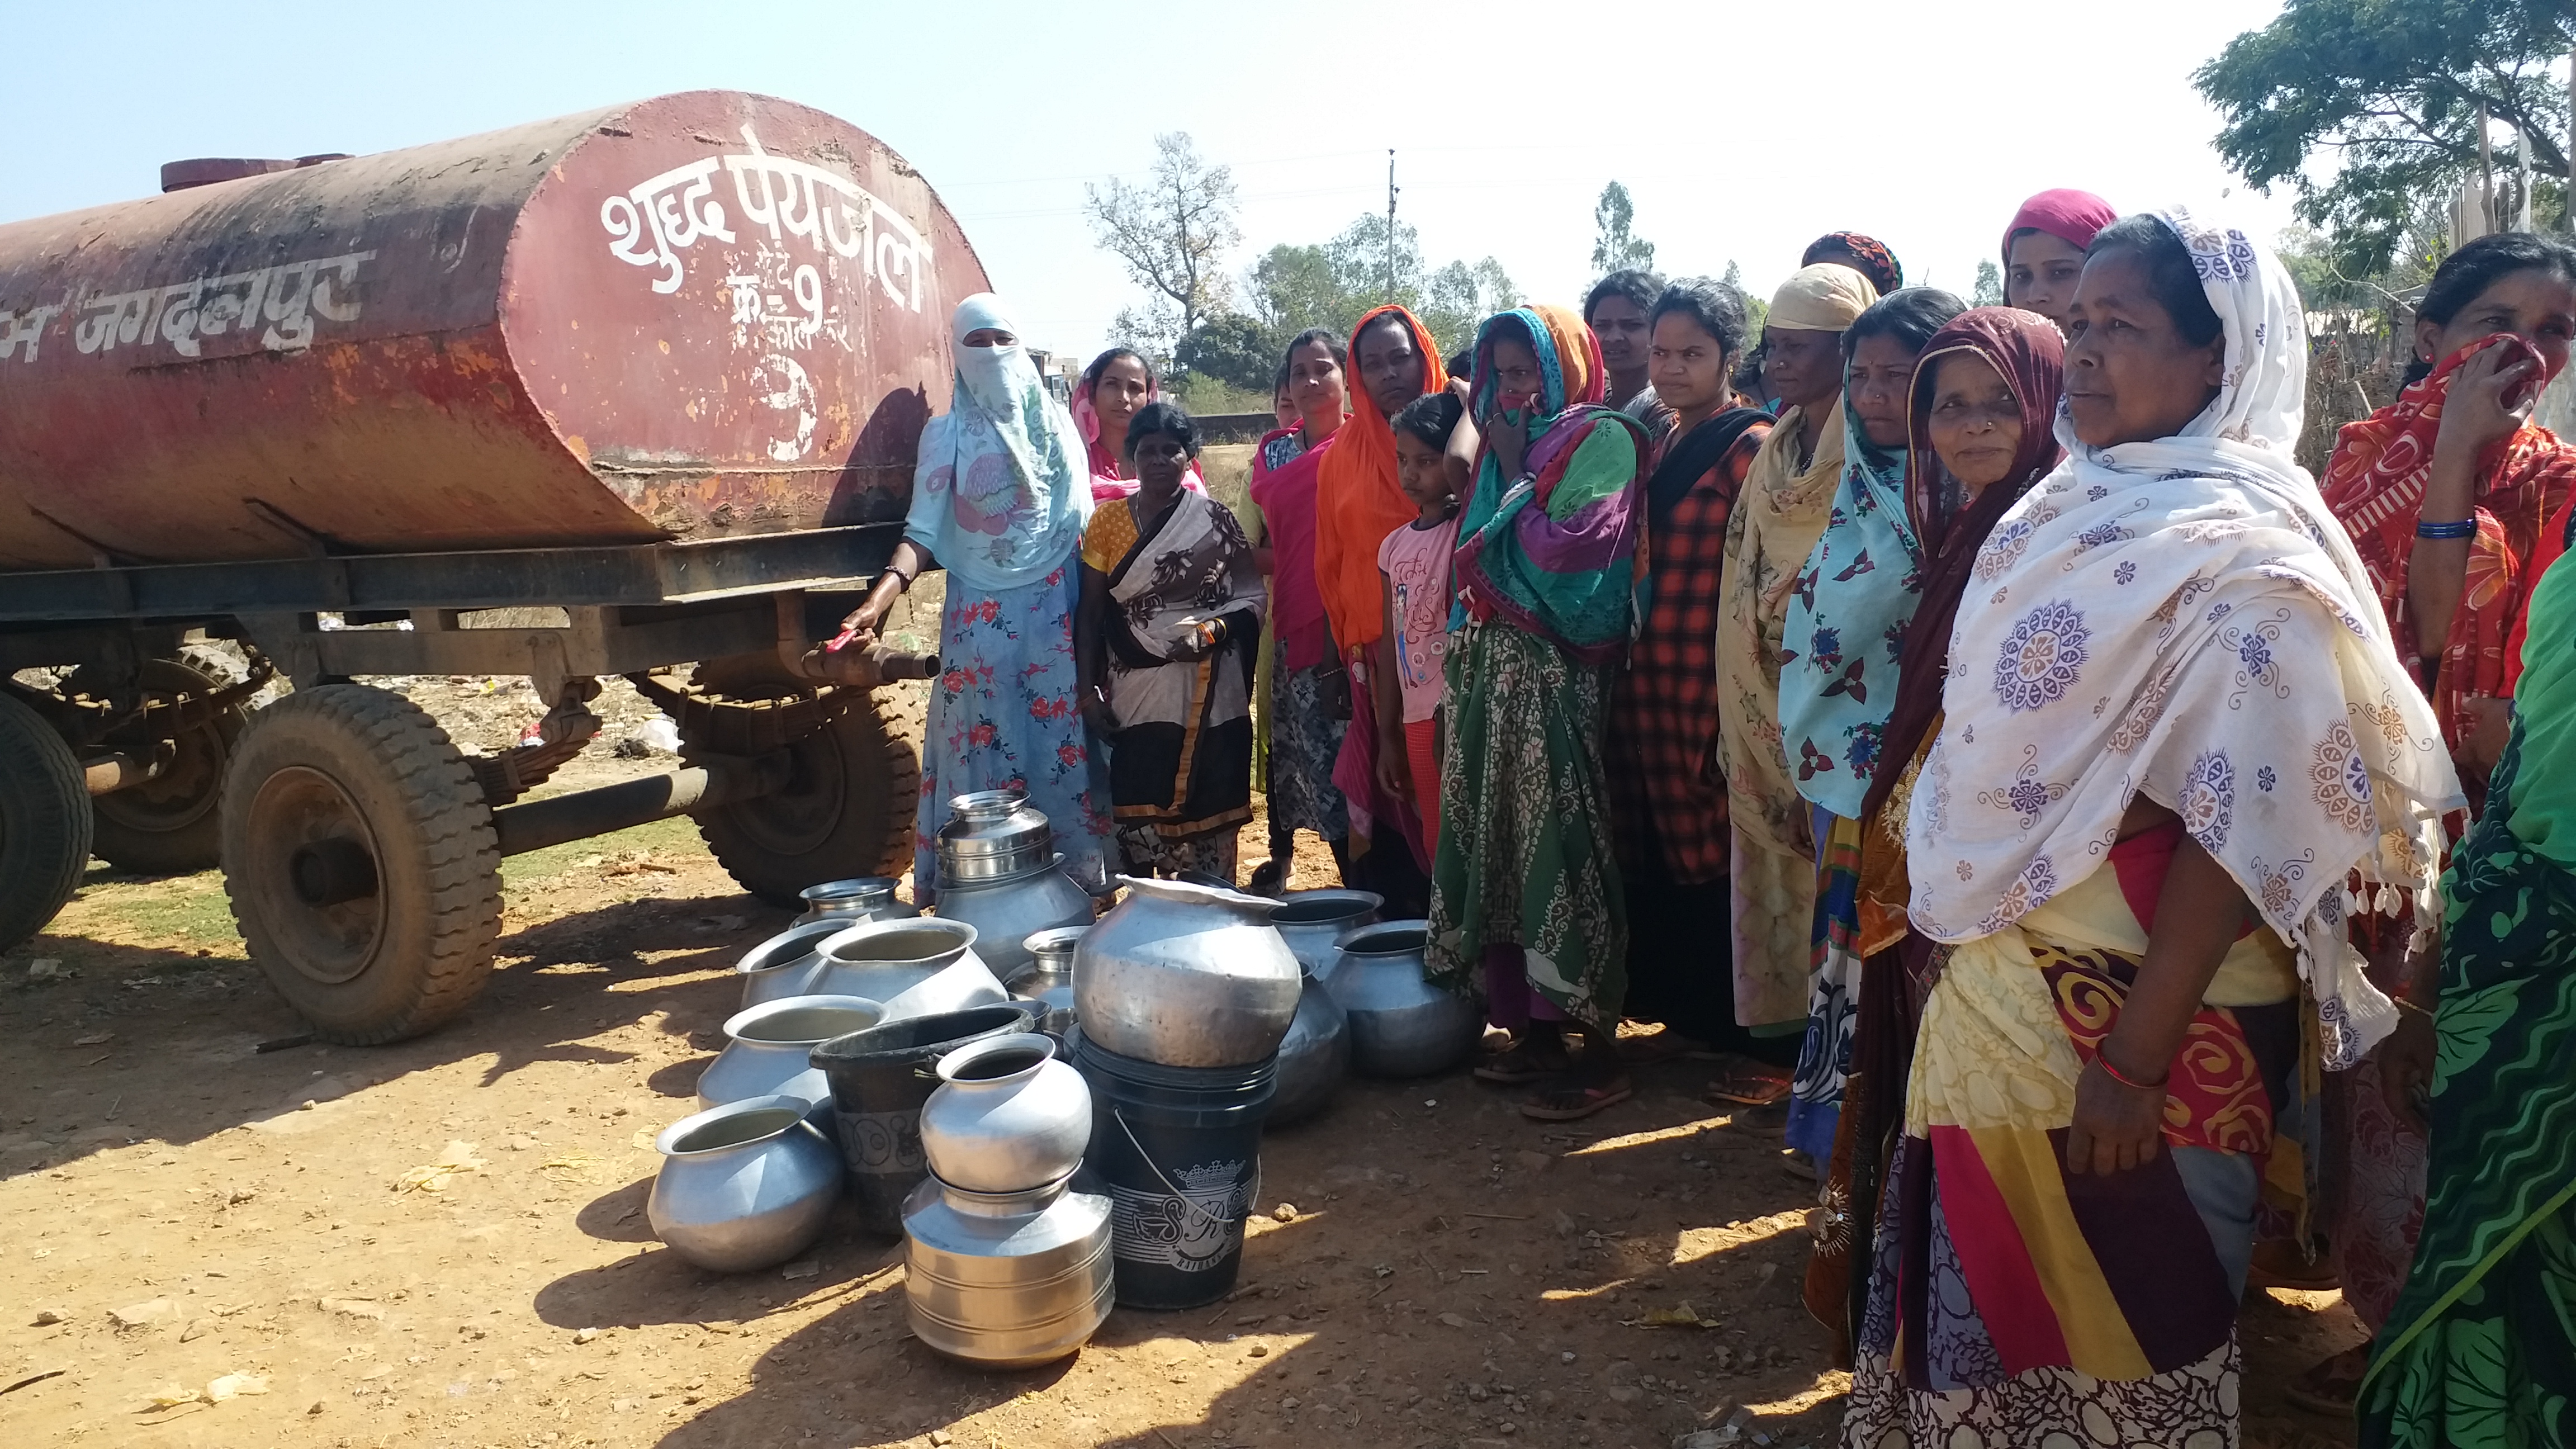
2140, 869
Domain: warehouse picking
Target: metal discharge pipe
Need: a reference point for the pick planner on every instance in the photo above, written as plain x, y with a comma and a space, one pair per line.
537, 824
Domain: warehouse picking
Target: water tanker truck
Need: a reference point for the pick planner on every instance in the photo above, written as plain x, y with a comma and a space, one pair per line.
627, 393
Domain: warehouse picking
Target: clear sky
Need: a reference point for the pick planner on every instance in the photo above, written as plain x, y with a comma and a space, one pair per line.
1742, 130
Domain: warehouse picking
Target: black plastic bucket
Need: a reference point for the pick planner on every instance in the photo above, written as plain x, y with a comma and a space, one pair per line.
880, 1077
1178, 1152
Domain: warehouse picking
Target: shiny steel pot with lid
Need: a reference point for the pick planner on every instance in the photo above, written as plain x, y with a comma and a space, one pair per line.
993, 835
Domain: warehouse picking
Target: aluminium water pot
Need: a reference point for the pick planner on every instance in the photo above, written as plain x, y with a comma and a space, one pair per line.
1186, 975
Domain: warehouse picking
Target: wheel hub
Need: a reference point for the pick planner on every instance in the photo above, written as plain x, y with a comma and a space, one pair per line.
312, 870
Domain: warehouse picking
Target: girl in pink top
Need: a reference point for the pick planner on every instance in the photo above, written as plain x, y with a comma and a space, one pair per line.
1413, 569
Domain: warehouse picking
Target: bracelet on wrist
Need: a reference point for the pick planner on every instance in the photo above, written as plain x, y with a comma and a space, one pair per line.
2102, 1059
2464, 528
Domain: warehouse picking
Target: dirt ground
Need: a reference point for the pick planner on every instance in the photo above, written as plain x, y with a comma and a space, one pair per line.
217, 1243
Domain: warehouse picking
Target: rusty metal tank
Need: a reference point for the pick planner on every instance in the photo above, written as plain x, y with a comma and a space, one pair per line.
700, 314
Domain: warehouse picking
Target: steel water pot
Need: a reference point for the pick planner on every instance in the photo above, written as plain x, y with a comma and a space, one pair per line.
1006, 1280
916, 967
767, 1049
1007, 1116
1047, 981
1185, 976
1311, 921
1313, 1057
1006, 912
992, 835
861, 898
880, 1078
1401, 1024
782, 965
746, 1185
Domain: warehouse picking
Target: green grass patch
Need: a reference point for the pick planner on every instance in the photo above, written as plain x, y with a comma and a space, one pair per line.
677, 836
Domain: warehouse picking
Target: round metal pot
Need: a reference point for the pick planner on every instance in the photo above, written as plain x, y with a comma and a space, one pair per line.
1006, 1116
782, 965
1313, 1057
746, 1185
1005, 913
1185, 976
916, 967
861, 898
767, 1049
992, 835
1006, 1280
1047, 981
1311, 921
1401, 1025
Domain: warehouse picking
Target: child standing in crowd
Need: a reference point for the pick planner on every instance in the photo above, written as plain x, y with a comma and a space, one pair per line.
1414, 565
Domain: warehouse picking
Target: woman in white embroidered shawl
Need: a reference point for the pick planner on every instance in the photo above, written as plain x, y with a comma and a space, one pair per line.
2173, 724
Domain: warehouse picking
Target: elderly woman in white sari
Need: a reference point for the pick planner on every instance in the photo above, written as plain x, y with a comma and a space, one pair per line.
1169, 630
2173, 724
998, 501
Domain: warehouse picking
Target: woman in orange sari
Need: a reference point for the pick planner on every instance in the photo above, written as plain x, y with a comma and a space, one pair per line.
2446, 493
1357, 504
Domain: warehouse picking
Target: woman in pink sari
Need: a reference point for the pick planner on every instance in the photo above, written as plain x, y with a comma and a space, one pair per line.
1307, 700
1105, 400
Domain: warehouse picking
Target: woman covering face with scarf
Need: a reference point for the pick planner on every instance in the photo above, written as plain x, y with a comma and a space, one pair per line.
999, 501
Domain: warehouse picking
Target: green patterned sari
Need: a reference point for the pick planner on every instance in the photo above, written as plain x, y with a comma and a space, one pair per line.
2481, 1349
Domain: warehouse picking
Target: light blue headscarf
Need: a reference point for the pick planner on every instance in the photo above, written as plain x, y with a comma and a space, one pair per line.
1846, 624
995, 495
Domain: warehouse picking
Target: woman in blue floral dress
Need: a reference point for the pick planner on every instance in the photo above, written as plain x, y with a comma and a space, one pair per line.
997, 502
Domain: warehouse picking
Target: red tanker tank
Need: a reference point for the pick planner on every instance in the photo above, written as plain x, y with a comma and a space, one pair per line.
700, 314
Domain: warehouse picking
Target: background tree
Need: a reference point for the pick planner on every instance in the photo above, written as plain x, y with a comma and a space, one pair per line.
1461, 297
1757, 310
1614, 244
1293, 288
1989, 290
1360, 263
1173, 233
1232, 349
2393, 89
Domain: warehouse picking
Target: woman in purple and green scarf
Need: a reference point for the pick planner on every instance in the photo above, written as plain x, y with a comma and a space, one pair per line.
1526, 903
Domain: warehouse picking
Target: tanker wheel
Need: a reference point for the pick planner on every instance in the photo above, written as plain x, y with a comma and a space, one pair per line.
168, 825
361, 861
44, 822
846, 811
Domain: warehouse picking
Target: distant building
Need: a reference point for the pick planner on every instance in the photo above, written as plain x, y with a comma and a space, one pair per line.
1059, 371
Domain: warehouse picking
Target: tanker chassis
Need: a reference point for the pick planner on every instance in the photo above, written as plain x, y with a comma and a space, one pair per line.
628, 393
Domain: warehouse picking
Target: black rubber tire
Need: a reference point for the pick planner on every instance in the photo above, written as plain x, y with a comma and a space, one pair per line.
848, 811
146, 831
356, 763
44, 822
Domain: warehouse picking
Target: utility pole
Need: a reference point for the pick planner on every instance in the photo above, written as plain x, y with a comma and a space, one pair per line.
1390, 223
2486, 176
2522, 163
